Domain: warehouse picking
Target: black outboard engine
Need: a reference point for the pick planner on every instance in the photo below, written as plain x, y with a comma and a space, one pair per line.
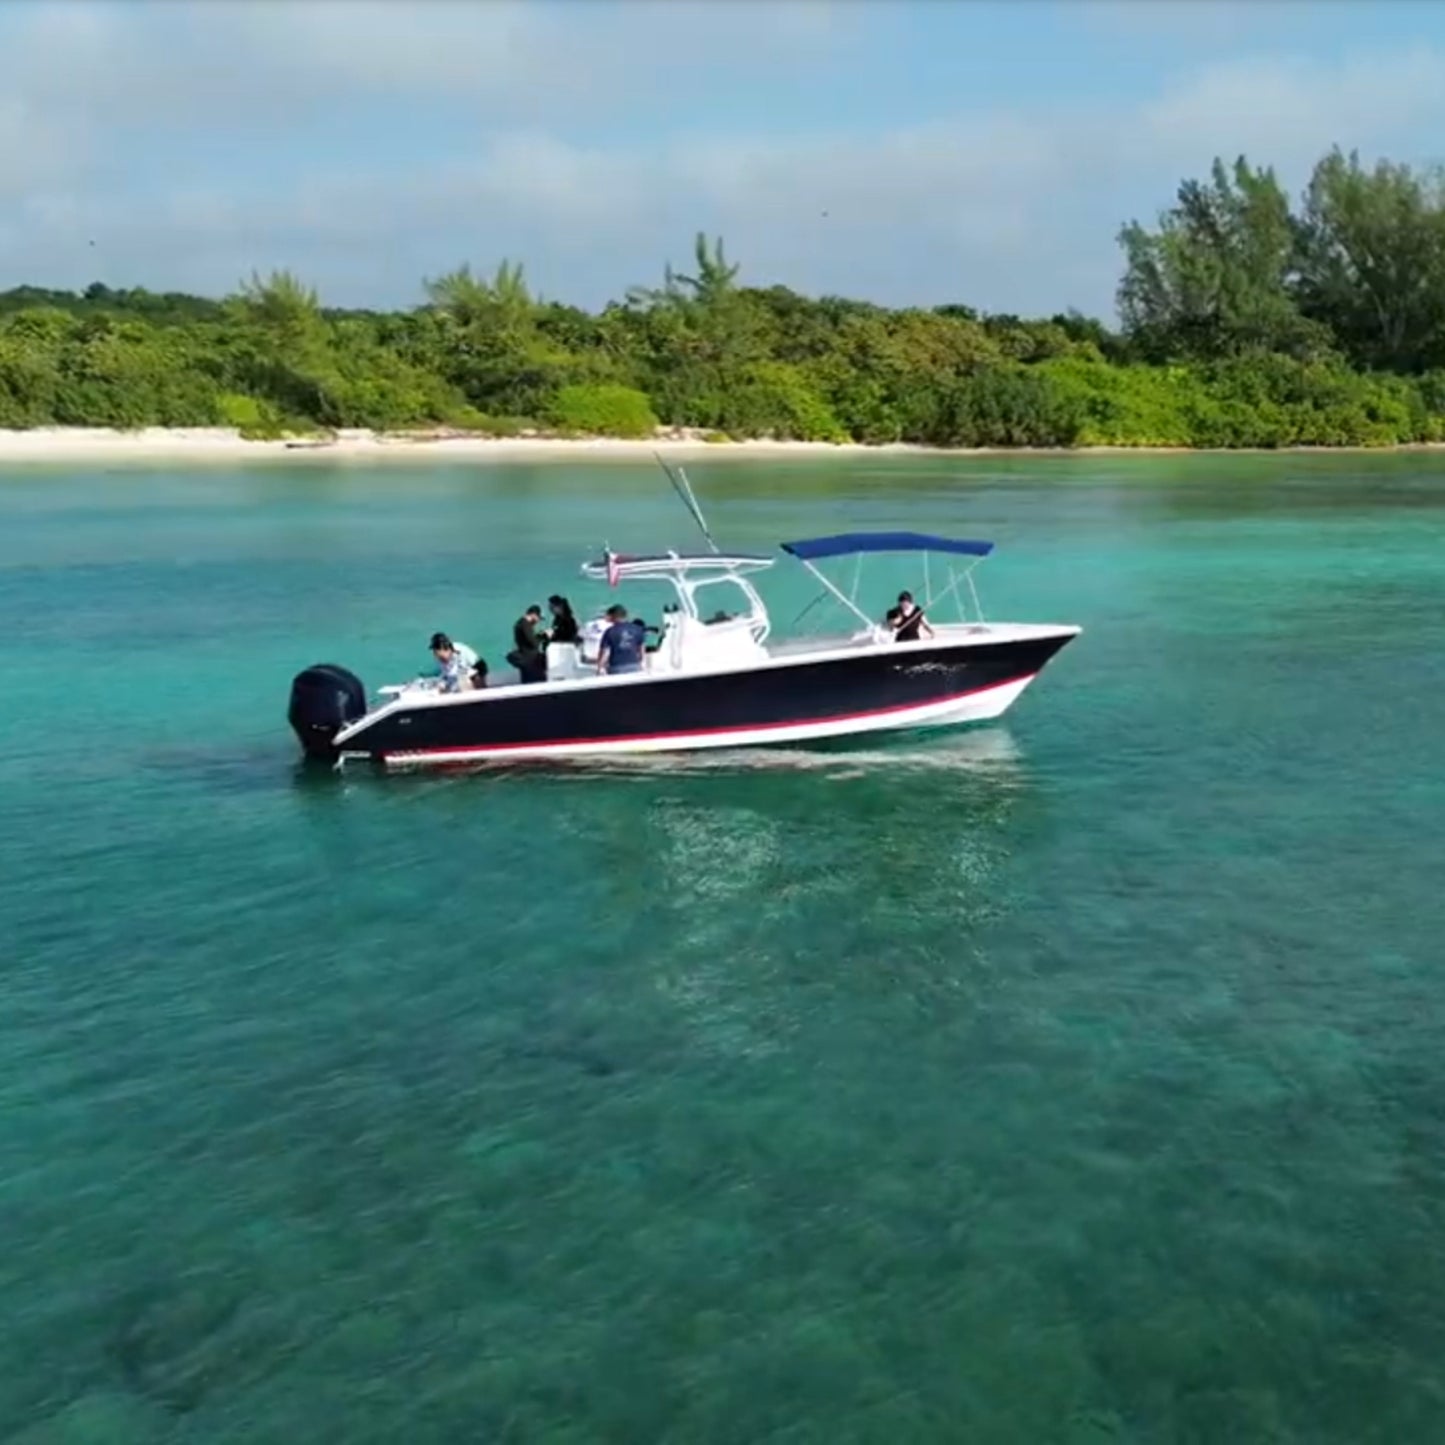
324, 699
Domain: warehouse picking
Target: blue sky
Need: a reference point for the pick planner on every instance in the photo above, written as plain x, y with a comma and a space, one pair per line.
919, 151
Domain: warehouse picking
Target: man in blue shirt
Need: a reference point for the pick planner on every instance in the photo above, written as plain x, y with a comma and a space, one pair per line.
622, 645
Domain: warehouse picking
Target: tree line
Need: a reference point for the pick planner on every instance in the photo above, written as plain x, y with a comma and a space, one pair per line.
1244, 320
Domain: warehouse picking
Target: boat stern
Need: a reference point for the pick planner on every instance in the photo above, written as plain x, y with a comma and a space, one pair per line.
325, 700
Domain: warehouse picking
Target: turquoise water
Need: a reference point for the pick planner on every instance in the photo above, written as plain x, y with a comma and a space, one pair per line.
1074, 1080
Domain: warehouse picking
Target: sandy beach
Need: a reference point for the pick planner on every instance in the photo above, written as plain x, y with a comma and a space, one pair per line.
223, 444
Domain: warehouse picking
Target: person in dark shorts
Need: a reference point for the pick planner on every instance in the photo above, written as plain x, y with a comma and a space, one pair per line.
906, 621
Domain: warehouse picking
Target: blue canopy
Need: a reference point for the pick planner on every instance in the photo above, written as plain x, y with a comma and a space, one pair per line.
849, 543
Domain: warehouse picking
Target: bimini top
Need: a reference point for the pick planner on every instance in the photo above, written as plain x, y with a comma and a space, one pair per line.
848, 543
668, 564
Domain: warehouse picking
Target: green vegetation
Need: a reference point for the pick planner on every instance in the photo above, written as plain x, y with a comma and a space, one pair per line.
603, 409
1245, 322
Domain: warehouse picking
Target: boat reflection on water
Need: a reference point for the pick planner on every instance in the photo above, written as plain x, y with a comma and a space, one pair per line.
782, 905
993, 751
753, 905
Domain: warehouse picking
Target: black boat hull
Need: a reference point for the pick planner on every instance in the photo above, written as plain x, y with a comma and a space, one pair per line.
786, 700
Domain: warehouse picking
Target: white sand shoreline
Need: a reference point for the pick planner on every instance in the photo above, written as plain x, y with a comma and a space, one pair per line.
221, 444
224, 444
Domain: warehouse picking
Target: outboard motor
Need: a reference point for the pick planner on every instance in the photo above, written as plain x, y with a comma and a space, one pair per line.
324, 699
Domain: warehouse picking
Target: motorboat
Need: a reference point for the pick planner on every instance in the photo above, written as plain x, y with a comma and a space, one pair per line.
717, 676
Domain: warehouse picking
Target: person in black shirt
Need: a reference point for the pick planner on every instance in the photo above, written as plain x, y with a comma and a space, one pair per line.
651, 636
907, 620
564, 621
527, 656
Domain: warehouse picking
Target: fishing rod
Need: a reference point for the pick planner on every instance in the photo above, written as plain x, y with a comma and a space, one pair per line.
683, 488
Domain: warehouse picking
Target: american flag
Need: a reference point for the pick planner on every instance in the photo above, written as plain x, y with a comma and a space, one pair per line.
612, 570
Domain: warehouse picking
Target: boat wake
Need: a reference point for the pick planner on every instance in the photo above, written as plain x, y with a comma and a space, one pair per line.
992, 751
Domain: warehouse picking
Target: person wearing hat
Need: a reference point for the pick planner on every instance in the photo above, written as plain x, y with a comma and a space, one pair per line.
907, 619
526, 655
622, 646
459, 666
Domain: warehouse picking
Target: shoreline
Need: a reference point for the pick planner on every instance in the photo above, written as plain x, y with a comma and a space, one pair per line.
47, 445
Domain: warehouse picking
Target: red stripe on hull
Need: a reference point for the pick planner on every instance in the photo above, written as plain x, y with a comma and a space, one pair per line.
865, 716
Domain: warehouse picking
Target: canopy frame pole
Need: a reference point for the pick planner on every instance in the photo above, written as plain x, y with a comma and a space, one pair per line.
928, 594
816, 600
953, 581
839, 594
973, 590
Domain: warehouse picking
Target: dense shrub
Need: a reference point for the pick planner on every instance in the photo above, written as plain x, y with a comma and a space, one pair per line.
605, 410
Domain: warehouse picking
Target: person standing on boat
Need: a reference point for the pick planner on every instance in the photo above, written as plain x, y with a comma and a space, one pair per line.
456, 662
526, 655
564, 621
651, 636
907, 620
621, 648
592, 632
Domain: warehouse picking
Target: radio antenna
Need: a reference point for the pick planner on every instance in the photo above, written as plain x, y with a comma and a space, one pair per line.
683, 488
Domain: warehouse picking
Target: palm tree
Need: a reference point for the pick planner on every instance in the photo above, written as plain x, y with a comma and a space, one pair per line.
280, 300
713, 283
504, 301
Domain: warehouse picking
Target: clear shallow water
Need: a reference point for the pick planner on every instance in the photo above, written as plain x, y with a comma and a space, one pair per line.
1075, 1080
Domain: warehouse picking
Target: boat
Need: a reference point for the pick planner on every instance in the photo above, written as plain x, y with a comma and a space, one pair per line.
717, 676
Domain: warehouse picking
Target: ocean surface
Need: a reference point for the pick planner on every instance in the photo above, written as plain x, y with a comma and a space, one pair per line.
1076, 1079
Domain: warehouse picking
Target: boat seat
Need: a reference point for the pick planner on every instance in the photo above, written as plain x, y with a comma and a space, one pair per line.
565, 659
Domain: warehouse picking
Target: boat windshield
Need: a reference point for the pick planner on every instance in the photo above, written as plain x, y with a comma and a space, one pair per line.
690, 576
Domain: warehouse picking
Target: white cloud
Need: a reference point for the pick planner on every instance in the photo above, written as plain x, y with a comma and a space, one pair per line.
220, 63
1011, 208
1289, 111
